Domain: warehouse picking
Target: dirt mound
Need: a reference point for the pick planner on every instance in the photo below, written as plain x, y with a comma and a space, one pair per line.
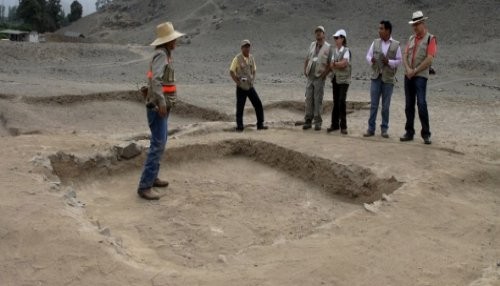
353, 181
209, 217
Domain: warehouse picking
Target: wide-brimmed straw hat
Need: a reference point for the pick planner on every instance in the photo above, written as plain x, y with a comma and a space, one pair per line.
165, 33
417, 17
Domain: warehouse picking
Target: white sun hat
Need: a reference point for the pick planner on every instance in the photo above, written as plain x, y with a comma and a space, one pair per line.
417, 17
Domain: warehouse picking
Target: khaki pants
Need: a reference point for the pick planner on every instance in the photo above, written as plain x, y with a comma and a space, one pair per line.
314, 100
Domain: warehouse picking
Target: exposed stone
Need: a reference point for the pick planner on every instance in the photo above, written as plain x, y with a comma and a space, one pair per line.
128, 150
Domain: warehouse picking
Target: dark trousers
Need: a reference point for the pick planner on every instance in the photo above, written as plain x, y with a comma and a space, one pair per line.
339, 112
415, 90
241, 99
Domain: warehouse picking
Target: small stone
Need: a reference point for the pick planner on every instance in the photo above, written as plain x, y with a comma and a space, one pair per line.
386, 197
105, 231
373, 207
498, 264
222, 259
128, 150
70, 194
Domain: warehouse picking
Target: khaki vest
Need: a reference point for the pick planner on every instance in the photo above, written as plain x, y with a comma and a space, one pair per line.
420, 53
322, 62
342, 76
388, 73
245, 70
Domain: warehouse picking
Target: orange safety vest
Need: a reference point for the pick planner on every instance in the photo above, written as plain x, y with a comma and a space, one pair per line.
166, 88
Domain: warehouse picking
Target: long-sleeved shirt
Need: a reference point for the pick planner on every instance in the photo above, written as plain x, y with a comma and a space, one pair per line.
159, 64
385, 47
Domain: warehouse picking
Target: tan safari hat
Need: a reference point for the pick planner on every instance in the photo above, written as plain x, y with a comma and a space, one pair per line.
245, 42
417, 17
165, 33
319, 28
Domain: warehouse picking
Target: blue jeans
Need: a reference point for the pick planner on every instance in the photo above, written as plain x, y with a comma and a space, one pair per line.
159, 131
415, 90
380, 89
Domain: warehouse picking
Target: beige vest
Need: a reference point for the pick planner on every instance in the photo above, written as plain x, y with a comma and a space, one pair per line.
420, 53
322, 59
342, 76
388, 73
245, 71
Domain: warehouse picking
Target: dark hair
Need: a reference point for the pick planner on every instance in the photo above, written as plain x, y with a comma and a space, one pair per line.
345, 41
387, 25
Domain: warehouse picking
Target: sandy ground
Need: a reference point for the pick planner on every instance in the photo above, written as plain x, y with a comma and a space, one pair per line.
279, 207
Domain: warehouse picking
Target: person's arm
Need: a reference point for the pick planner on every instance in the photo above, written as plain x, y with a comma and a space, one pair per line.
344, 62
408, 70
328, 62
431, 53
158, 68
306, 63
396, 62
369, 56
232, 71
254, 71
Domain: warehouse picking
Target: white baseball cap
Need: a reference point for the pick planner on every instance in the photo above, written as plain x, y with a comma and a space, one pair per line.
340, 32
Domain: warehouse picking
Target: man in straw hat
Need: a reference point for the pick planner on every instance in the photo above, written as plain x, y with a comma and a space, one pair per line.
316, 69
160, 99
417, 59
242, 71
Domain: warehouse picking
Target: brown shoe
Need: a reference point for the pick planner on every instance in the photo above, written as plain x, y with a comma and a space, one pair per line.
160, 183
148, 194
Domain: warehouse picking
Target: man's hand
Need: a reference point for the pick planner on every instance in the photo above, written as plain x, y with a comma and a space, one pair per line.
162, 111
410, 73
373, 60
385, 61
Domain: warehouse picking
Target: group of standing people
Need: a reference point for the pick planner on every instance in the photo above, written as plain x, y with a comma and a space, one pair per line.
384, 57
322, 61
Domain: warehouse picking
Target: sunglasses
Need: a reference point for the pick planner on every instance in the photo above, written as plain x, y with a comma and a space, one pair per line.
336, 38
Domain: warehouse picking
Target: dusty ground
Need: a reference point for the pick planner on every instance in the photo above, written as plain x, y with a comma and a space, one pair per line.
280, 207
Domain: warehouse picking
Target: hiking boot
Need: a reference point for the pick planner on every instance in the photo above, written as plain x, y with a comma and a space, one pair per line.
344, 131
148, 194
406, 137
307, 126
427, 141
332, 129
317, 127
160, 183
385, 134
239, 129
262, 127
369, 134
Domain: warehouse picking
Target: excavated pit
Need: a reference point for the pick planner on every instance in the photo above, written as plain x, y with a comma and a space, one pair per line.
223, 198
